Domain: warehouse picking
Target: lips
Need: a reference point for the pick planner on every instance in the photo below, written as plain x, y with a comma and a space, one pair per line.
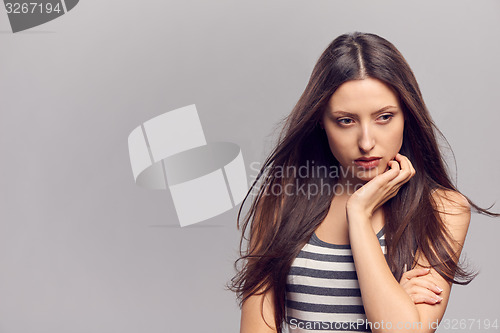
367, 162
367, 159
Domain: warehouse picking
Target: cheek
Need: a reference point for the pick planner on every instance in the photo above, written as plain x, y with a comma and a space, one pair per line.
395, 140
340, 145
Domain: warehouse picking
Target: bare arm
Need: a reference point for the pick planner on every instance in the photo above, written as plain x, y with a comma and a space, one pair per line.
253, 314
384, 299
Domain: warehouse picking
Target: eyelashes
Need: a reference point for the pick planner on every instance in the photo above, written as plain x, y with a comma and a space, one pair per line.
387, 115
341, 121
385, 118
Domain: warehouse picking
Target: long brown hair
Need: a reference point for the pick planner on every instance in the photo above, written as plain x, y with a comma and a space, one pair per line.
283, 223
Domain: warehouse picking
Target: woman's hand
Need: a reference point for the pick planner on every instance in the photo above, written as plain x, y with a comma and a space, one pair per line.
372, 195
420, 286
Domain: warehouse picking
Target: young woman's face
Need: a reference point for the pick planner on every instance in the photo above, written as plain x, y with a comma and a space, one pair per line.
364, 119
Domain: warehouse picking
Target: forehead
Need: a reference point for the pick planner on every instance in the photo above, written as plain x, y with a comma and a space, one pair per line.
362, 95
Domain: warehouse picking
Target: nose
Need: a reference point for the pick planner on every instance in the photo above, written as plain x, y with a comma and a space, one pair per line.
366, 140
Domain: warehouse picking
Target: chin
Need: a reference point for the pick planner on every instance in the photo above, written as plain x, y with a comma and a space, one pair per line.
365, 179
368, 174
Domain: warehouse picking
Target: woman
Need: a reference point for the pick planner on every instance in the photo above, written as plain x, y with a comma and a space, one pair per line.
370, 236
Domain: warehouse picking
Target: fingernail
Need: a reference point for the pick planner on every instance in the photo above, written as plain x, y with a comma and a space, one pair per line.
440, 290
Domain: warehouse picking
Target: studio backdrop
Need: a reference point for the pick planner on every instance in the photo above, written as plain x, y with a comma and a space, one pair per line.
97, 233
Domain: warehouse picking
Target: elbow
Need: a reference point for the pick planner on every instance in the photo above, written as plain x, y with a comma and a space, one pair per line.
408, 325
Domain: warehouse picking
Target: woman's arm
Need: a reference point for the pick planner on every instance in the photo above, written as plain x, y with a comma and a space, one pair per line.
387, 305
253, 315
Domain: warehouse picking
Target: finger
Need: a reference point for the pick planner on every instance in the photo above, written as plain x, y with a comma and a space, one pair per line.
403, 177
416, 272
421, 299
424, 299
423, 282
390, 173
400, 157
406, 167
410, 166
393, 164
423, 295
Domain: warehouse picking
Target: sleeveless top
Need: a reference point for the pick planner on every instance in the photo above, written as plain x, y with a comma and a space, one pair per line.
322, 289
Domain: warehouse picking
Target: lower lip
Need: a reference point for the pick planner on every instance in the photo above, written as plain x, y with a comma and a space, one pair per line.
368, 164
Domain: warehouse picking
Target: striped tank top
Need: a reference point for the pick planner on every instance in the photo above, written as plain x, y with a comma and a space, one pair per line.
322, 289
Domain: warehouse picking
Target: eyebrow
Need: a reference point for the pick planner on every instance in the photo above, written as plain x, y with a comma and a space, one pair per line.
344, 113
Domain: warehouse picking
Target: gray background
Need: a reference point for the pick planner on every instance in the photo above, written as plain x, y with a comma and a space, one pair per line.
83, 249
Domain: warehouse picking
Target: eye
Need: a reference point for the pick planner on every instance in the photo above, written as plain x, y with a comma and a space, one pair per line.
344, 121
386, 117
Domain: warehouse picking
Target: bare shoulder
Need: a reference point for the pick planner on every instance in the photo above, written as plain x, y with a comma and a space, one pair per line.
451, 200
455, 212
257, 313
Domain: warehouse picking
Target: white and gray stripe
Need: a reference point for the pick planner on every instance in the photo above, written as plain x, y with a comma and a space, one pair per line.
322, 290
